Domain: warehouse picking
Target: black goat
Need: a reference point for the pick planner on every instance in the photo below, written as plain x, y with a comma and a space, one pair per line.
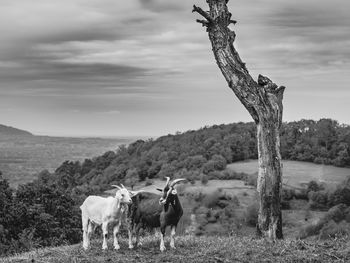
149, 210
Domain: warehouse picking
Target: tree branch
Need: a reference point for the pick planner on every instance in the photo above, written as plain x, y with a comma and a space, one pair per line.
203, 22
232, 22
202, 13
258, 97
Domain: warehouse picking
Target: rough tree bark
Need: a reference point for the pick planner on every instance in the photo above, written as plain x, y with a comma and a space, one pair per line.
263, 100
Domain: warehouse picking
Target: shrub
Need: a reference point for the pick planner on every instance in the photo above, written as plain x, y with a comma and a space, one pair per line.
216, 163
340, 195
336, 213
202, 210
314, 186
180, 188
318, 200
211, 200
328, 222
252, 179
310, 230
216, 175
285, 205
332, 229
204, 179
195, 196
301, 194
195, 162
347, 214
220, 162
235, 200
192, 180
209, 167
237, 176
214, 229
148, 181
131, 178
288, 194
251, 214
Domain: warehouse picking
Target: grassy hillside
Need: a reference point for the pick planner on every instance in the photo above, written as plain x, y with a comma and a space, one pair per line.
299, 173
198, 249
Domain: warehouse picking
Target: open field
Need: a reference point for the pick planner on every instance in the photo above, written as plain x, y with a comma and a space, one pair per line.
299, 173
197, 249
23, 157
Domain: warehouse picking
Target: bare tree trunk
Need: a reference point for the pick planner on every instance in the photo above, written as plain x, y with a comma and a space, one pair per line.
263, 100
269, 181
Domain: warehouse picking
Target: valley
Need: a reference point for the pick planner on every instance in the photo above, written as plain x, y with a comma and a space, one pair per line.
22, 157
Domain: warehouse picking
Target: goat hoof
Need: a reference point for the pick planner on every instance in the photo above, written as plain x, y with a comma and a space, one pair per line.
131, 247
104, 248
85, 247
173, 247
117, 247
162, 249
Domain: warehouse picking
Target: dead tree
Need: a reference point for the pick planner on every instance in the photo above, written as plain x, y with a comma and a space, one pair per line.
263, 100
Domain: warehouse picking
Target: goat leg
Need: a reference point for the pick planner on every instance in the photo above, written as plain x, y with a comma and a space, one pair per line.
162, 246
115, 233
172, 234
137, 234
105, 235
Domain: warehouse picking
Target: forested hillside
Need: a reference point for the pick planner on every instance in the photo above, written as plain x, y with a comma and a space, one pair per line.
207, 151
46, 211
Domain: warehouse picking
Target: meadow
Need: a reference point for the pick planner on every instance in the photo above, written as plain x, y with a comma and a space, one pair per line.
298, 174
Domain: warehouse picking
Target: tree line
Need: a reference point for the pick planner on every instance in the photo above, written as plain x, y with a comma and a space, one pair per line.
207, 151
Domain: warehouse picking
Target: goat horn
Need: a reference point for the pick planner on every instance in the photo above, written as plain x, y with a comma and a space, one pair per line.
176, 181
122, 186
117, 186
167, 180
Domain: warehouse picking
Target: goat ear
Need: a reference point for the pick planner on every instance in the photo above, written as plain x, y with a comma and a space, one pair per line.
160, 190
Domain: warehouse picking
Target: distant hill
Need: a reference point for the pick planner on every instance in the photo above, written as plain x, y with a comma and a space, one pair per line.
10, 131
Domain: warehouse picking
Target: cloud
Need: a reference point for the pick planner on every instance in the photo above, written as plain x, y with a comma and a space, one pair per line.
150, 58
310, 33
162, 6
100, 42
310, 14
49, 70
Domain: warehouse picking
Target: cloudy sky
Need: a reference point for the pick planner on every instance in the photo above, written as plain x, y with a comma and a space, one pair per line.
144, 67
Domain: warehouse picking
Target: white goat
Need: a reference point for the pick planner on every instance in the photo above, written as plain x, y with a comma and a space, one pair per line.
98, 210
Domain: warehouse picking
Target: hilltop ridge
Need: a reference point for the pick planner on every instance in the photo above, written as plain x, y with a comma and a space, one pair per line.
11, 131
